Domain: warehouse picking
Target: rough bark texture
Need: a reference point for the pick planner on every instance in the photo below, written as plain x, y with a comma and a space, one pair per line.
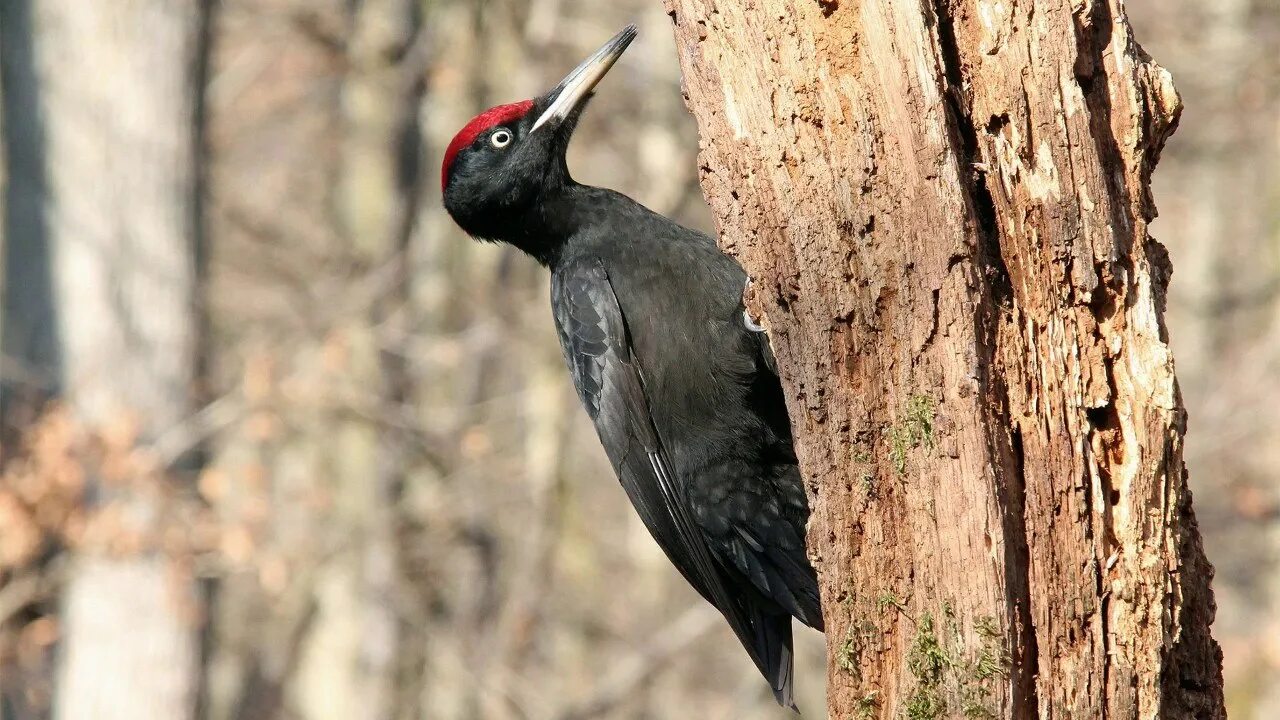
944, 205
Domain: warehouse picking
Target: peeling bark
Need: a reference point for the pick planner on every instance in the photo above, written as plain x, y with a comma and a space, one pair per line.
944, 205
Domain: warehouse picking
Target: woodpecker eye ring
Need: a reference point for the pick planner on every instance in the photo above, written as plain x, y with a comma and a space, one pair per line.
501, 138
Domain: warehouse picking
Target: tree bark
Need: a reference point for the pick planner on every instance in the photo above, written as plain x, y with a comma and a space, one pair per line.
944, 206
102, 257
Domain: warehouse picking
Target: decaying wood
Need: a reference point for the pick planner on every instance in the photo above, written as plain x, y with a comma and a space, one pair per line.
944, 205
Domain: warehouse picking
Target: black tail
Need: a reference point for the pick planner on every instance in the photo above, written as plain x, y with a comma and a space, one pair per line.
768, 641
775, 642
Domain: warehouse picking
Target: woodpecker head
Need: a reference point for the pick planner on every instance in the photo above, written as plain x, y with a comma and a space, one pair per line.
508, 158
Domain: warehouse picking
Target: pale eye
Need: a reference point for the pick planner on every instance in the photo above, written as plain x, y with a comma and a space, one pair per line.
500, 139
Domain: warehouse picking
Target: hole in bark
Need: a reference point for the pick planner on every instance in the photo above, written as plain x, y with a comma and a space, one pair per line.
1085, 82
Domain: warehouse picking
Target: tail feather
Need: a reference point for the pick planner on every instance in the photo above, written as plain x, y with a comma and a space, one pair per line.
784, 669
771, 650
763, 626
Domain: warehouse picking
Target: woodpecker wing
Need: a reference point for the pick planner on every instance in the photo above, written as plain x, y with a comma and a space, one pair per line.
593, 334
752, 516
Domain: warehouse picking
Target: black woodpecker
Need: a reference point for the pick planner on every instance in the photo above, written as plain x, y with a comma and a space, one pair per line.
678, 380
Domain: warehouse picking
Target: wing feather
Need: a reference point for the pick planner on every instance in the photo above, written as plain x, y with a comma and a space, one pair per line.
596, 344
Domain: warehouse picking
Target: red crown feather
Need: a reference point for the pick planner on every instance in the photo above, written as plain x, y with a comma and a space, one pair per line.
472, 130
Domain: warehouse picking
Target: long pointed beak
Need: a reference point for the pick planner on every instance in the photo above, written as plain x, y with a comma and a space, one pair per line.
577, 85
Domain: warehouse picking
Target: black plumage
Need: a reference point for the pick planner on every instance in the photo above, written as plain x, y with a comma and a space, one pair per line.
681, 389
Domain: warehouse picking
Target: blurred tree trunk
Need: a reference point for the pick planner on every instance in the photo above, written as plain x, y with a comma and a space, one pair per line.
377, 197
29, 345
945, 208
103, 246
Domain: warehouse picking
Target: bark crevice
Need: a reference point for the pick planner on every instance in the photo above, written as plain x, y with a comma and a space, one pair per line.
1005, 443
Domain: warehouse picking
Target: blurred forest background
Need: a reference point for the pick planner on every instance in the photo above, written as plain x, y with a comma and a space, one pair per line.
312, 453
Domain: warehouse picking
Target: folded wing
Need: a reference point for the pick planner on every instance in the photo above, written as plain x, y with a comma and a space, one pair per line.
610, 383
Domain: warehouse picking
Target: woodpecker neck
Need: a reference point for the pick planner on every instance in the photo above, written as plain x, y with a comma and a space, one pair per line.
560, 213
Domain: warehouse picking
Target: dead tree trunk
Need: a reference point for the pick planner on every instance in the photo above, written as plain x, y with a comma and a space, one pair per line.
944, 205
